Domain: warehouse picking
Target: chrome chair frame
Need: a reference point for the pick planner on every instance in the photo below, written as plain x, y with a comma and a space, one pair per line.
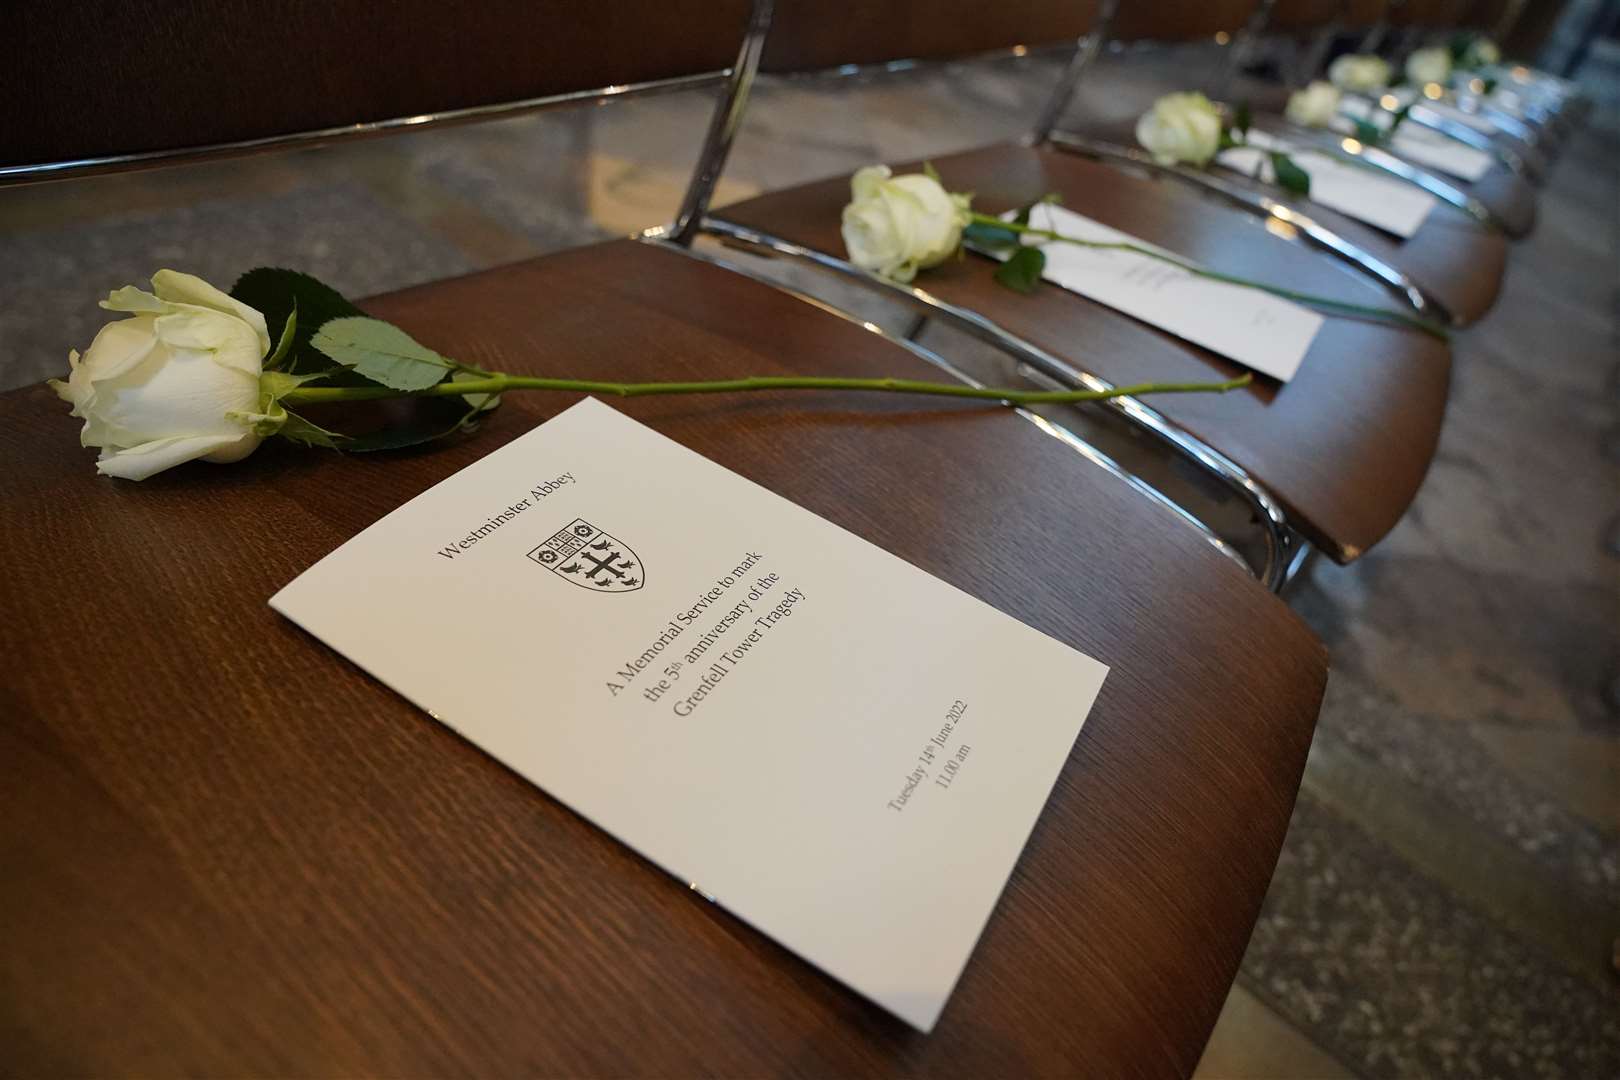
1278, 538
1346, 149
1063, 434
1297, 222
735, 83
1280, 541
1425, 116
1290, 223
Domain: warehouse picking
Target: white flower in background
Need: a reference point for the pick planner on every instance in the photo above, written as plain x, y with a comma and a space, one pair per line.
1314, 106
1359, 73
1482, 52
1180, 128
1429, 66
897, 225
176, 381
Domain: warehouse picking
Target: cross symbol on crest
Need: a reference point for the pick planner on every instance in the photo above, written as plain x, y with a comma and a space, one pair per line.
590, 558
599, 565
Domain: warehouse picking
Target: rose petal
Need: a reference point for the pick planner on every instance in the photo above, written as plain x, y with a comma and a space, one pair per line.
180, 288
866, 182
139, 462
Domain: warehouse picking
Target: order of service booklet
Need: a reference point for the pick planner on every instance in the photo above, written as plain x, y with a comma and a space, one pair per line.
835, 746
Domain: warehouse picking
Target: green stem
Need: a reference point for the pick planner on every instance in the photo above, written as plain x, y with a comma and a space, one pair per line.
1342, 307
500, 384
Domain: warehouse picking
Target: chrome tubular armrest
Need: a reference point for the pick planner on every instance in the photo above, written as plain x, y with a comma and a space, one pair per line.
1228, 473
1503, 120
1352, 149
1289, 558
1301, 226
1455, 129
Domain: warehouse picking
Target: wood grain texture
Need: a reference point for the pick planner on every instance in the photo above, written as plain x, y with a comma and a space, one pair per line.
1294, 16
807, 35
1179, 20
226, 850
96, 77
1344, 445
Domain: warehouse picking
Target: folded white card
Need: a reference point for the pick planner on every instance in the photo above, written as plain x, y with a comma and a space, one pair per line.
837, 747
1253, 327
1478, 121
1357, 191
1419, 144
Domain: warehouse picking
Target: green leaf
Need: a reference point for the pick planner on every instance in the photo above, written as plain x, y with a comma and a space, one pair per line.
1459, 46
1290, 177
1368, 132
277, 294
284, 345
1490, 87
1400, 118
1242, 118
382, 352
932, 173
1022, 270
1022, 217
984, 237
302, 430
424, 420
275, 385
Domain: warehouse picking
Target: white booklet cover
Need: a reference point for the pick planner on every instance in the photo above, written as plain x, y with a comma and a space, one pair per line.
1253, 327
1357, 191
1419, 144
837, 747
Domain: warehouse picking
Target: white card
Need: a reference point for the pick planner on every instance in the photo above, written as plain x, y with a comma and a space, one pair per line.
1354, 190
835, 746
1482, 124
1253, 327
1420, 145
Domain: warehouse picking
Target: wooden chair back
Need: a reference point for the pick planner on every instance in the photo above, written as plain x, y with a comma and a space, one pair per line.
106, 79
1299, 15
1179, 20
804, 38
1427, 14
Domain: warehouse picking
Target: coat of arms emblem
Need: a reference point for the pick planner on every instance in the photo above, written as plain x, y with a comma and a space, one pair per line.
590, 558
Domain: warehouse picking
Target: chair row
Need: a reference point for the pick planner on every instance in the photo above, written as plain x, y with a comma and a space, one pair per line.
1137, 894
1342, 448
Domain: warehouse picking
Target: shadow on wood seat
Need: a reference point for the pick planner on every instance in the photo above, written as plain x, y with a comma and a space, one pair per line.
353, 864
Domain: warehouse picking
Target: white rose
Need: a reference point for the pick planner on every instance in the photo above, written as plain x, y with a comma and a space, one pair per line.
176, 381
1181, 127
897, 225
1428, 66
1360, 73
1483, 52
1314, 106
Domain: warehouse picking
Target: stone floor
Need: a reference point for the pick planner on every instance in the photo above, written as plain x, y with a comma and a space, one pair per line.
1448, 899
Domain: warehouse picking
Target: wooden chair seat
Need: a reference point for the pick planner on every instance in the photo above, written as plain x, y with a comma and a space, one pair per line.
226, 850
1344, 445
1452, 257
1457, 260
1510, 197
